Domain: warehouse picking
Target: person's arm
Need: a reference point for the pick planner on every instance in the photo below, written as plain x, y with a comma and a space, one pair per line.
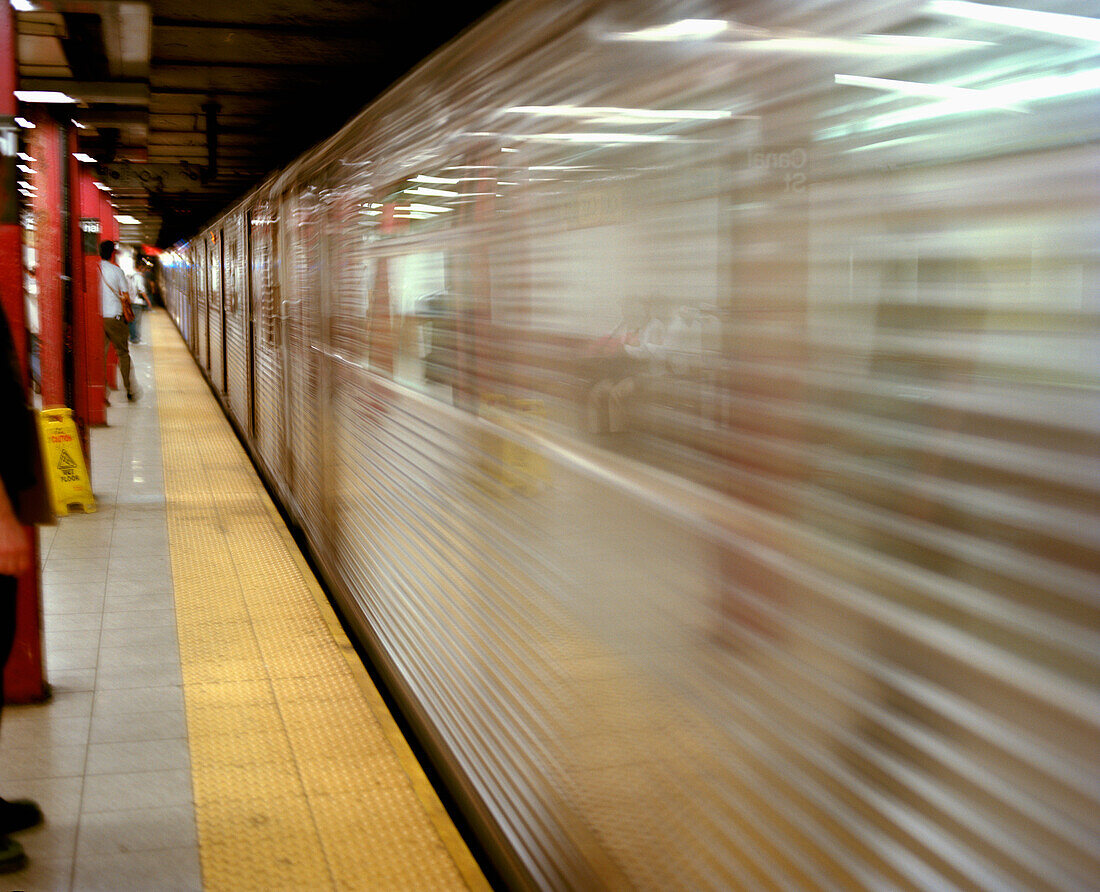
15, 547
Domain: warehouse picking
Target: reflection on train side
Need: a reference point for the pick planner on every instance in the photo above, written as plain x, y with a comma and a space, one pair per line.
694, 410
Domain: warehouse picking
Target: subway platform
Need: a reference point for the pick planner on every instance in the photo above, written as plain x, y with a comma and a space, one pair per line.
210, 725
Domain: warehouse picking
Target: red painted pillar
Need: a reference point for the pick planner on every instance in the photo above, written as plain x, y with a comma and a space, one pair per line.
24, 676
87, 331
91, 339
108, 230
75, 329
45, 146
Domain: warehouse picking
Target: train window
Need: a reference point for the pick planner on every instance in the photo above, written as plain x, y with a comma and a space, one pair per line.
264, 231
231, 261
418, 290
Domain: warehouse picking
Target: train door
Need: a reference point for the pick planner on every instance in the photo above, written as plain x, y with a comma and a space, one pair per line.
266, 354
214, 309
249, 297
302, 352
235, 288
202, 321
224, 383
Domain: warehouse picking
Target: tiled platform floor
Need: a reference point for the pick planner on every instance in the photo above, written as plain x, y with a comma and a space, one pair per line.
110, 757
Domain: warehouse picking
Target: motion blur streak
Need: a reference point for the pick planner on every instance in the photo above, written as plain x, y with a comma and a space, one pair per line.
711, 464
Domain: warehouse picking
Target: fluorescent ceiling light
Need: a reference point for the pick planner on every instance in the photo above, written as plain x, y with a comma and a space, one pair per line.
78, 125
127, 220
87, 159
1076, 26
864, 45
26, 185
424, 190
622, 115
602, 138
25, 168
23, 6
24, 156
101, 187
24, 123
505, 149
1009, 95
42, 96
686, 29
961, 95
424, 178
429, 209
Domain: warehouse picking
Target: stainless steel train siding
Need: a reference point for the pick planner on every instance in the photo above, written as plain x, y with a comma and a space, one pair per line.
695, 407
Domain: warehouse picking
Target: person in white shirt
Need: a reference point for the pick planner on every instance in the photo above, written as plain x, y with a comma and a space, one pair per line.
112, 288
139, 300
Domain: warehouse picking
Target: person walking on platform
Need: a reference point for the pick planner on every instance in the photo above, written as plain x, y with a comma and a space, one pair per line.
114, 293
21, 472
139, 298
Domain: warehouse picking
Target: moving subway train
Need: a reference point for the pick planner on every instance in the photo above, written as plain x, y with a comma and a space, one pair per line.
694, 409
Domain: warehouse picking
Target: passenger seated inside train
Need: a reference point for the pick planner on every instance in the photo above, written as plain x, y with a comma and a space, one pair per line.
635, 347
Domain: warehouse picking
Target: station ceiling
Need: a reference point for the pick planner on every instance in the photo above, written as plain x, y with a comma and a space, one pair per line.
186, 104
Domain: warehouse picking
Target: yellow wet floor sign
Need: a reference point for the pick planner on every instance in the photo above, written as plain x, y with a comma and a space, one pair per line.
68, 475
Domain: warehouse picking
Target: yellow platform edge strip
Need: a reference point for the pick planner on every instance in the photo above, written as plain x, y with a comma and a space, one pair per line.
166, 340
437, 814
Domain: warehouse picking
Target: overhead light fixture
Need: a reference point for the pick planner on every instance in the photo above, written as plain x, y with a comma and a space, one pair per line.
78, 125
23, 6
965, 97
24, 156
1074, 26
424, 178
54, 96
1012, 96
623, 115
25, 168
26, 185
429, 208
87, 159
24, 123
101, 187
598, 138
127, 220
685, 29
424, 190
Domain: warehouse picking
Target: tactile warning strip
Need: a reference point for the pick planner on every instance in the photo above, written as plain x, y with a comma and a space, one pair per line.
301, 778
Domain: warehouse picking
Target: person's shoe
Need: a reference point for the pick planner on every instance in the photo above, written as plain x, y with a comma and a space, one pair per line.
12, 856
19, 814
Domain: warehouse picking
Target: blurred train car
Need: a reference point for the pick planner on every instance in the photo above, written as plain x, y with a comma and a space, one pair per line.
694, 408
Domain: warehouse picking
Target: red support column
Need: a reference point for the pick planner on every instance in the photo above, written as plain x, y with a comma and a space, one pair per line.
45, 147
108, 230
24, 676
90, 339
75, 328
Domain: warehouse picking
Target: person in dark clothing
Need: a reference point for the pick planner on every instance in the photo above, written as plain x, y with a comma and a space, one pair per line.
20, 470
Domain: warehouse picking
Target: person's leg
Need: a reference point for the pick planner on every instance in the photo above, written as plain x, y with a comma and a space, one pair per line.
21, 813
119, 335
135, 326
